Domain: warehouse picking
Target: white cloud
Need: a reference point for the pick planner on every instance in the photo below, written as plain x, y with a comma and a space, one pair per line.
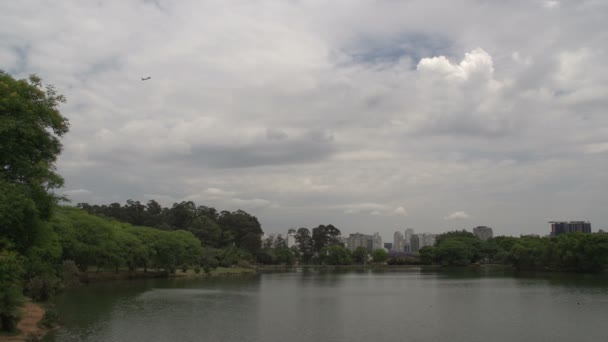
457, 215
596, 148
400, 211
77, 192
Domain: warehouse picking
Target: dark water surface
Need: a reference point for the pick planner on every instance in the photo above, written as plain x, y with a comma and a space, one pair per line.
410, 304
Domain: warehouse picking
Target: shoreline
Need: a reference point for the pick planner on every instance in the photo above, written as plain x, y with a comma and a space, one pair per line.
28, 328
102, 276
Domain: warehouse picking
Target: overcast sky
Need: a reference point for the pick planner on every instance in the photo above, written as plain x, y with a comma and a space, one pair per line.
370, 115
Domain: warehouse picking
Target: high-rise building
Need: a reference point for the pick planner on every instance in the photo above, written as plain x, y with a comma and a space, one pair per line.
421, 240
377, 242
483, 233
360, 240
564, 227
414, 243
291, 238
398, 242
388, 246
407, 237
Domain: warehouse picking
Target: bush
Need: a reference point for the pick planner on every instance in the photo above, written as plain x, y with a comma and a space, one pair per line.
71, 276
42, 287
50, 318
197, 269
11, 298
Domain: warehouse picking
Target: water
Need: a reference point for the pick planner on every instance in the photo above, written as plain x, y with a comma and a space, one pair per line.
410, 304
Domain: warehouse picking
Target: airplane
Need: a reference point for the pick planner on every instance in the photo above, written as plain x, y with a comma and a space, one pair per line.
146, 78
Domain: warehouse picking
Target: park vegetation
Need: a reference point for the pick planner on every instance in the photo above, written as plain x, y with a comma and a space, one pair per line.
575, 252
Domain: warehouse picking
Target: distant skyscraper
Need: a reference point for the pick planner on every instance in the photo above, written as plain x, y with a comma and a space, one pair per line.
415, 243
362, 240
291, 238
407, 237
483, 233
421, 240
564, 227
398, 242
377, 242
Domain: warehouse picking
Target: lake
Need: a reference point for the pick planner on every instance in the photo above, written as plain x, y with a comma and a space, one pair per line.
405, 304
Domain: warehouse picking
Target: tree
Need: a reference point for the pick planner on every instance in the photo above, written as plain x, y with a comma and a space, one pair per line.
10, 290
324, 236
335, 255
30, 128
379, 255
360, 255
305, 244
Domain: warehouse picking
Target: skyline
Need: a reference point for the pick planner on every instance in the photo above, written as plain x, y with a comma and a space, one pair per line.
371, 116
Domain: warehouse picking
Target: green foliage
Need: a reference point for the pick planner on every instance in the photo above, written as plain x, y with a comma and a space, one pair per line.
360, 255
335, 255
213, 229
324, 236
454, 252
427, 255
577, 252
70, 274
379, 255
305, 245
42, 287
11, 298
30, 128
50, 318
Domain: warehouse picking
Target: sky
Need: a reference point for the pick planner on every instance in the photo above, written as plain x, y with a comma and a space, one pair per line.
374, 116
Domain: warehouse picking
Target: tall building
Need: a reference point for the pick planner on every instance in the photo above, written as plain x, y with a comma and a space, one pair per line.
291, 238
564, 227
388, 246
415, 243
421, 240
483, 233
360, 240
377, 242
398, 242
407, 237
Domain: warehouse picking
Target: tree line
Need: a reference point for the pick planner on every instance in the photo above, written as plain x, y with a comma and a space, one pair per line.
214, 229
319, 246
575, 252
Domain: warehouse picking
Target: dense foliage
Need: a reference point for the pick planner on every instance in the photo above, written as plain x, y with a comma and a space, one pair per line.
30, 128
576, 252
214, 229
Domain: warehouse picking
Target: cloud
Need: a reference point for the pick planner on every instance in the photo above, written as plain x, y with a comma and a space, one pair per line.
457, 215
77, 192
289, 105
596, 148
400, 211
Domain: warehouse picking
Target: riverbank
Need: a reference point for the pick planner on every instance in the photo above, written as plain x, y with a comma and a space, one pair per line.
28, 328
92, 277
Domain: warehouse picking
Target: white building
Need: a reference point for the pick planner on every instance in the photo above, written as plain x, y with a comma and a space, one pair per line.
291, 238
398, 242
408, 237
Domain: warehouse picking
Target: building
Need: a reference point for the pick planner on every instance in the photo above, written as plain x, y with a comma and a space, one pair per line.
407, 237
291, 238
483, 233
398, 242
388, 246
564, 227
418, 241
377, 242
371, 242
359, 240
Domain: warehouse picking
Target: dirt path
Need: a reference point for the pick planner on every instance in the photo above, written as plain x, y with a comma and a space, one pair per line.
28, 325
